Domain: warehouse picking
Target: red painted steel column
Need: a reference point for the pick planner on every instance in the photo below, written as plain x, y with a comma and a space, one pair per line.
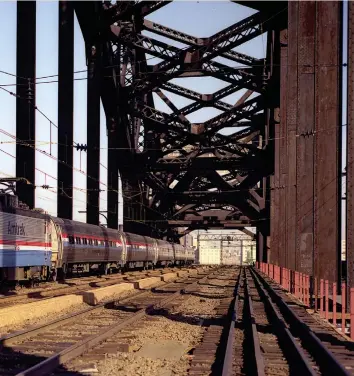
297, 284
352, 312
292, 119
283, 165
327, 145
326, 299
343, 287
321, 298
273, 118
305, 127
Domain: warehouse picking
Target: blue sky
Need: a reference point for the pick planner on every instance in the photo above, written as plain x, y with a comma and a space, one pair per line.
200, 19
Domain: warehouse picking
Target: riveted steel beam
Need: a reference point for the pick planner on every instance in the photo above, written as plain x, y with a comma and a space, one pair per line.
327, 140
65, 109
313, 123
194, 41
212, 47
292, 119
25, 100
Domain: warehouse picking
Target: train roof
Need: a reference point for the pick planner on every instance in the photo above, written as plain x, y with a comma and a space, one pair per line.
77, 227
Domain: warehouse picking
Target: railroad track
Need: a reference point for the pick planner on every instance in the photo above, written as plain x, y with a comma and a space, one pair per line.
47, 293
41, 350
269, 334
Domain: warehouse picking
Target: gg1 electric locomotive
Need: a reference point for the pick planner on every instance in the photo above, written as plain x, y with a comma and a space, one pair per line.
35, 245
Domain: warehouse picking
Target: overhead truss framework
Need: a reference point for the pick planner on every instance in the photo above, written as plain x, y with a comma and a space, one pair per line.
172, 168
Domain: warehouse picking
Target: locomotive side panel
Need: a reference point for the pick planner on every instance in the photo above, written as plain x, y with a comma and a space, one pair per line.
25, 248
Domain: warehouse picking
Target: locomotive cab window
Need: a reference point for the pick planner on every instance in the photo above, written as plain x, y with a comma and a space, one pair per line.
84, 241
90, 241
71, 240
78, 240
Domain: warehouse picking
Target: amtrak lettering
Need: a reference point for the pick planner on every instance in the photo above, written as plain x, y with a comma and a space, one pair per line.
16, 229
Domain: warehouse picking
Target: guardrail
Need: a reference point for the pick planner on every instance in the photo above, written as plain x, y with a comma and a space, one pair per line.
321, 295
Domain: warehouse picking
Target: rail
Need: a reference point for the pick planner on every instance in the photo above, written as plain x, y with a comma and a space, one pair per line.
299, 357
258, 357
53, 361
318, 349
227, 364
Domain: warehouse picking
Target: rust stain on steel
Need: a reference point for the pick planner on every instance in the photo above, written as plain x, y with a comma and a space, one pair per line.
350, 149
305, 143
326, 157
292, 87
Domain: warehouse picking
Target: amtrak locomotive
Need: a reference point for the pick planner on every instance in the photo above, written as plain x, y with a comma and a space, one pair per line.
34, 245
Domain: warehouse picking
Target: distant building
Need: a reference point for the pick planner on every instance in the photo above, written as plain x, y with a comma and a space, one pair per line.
227, 247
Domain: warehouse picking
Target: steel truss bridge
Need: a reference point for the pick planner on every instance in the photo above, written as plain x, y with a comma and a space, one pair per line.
281, 164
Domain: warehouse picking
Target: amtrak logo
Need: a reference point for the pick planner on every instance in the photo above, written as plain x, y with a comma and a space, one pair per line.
16, 229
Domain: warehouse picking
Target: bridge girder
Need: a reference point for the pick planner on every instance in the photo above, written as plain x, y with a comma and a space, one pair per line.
165, 160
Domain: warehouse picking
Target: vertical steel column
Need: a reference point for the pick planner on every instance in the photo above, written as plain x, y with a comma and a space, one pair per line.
260, 246
112, 177
26, 99
350, 150
305, 139
93, 132
292, 114
283, 165
65, 109
272, 116
326, 158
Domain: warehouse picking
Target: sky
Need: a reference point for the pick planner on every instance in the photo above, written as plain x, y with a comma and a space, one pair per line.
201, 19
